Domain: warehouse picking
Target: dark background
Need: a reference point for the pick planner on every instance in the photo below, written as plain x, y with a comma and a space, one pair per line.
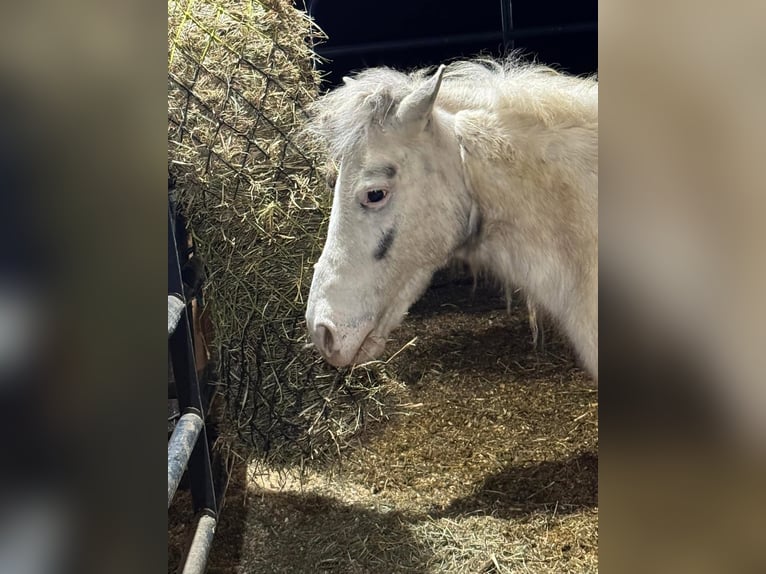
413, 33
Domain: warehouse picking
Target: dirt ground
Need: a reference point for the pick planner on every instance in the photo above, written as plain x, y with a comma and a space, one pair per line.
492, 467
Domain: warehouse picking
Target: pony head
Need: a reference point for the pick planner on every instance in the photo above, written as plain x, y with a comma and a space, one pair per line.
400, 209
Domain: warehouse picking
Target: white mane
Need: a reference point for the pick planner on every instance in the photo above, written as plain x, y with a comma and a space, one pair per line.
340, 118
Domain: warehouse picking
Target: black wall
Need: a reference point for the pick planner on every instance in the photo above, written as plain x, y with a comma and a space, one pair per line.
413, 33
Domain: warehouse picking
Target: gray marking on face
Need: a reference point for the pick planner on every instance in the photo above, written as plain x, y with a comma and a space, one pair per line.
385, 244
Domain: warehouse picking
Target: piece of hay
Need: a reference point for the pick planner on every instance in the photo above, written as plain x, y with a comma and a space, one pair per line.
240, 76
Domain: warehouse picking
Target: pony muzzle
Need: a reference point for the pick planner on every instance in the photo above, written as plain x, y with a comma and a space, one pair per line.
343, 345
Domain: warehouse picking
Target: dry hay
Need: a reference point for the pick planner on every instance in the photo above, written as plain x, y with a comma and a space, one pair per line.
240, 76
496, 470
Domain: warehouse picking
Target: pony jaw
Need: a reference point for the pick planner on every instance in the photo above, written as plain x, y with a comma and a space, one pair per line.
372, 347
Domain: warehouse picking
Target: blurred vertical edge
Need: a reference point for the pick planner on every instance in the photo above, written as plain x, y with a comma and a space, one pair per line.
82, 269
682, 405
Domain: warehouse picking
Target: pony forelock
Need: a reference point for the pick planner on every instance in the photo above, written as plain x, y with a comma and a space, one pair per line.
339, 118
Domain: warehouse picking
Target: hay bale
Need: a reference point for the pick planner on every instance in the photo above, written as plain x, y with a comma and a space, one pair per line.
240, 76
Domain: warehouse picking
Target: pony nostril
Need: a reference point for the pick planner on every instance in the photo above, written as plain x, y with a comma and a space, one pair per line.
325, 339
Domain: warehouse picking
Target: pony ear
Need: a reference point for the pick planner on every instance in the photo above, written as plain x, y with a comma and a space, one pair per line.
347, 80
417, 106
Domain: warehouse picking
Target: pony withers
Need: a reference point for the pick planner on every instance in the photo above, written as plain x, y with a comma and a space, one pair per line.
495, 164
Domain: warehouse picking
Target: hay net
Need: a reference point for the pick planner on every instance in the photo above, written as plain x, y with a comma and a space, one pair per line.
240, 75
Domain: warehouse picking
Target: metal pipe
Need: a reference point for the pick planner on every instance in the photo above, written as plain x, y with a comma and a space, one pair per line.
176, 306
196, 559
180, 447
190, 398
506, 18
485, 37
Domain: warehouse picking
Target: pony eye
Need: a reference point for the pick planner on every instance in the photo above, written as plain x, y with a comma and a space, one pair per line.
375, 195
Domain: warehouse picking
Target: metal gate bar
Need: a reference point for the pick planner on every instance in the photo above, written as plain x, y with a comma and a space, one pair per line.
190, 399
196, 559
188, 447
180, 447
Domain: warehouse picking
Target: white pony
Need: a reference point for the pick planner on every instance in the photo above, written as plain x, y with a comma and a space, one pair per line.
492, 163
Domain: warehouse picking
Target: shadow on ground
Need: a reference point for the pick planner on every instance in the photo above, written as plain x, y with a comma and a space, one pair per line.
461, 329
493, 344
305, 532
458, 292
568, 485
291, 532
